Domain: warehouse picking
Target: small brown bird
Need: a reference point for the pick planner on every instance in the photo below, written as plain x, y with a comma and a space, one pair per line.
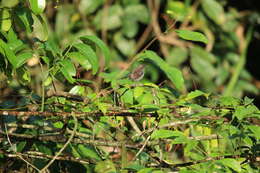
138, 73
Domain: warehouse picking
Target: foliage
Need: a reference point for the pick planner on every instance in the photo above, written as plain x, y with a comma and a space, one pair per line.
106, 122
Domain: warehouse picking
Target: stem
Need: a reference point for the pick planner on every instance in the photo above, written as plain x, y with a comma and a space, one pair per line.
240, 65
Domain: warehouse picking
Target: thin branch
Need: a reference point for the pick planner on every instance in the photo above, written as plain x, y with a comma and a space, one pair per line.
30, 126
58, 138
164, 164
134, 125
39, 155
143, 38
18, 155
142, 148
65, 145
78, 114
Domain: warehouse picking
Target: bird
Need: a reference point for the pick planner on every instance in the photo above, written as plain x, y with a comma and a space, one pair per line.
138, 73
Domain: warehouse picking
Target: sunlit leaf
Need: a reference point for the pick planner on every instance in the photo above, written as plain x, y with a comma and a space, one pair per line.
25, 18
80, 58
231, 163
172, 73
9, 3
88, 152
214, 11
163, 133
243, 112
100, 44
24, 76
22, 58
89, 54
255, 130
201, 63
40, 28
37, 6
68, 70
9, 54
195, 94
6, 20
192, 36
106, 166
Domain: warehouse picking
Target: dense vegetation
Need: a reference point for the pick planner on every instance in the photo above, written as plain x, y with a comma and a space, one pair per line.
67, 103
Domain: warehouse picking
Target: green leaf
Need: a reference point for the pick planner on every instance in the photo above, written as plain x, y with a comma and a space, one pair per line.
214, 11
195, 94
63, 20
231, 163
125, 46
47, 81
113, 18
58, 124
43, 148
37, 6
87, 7
177, 56
68, 70
8, 53
177, 10
46, 60
130, 27
245, 111
80, 58
146, 98
11, 36
199, 52
52, 46
6, 21
162, 133
255, 130
126, 96
22, 58
106, 166
40, 28
88, 53
88, 152
25, 17
77, 90
74, 151
103, 107
202, 64
191, 35
14, 43
248, 101
146, 170
9, 3
21, 145
137, 12
93, 39
138, 91
229, 101
24, 76
172, 73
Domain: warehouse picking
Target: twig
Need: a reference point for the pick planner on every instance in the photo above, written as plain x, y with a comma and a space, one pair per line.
18, 155
65, 145
77, 114
58, 138
30, 126
43, 89
240, 65
186, 164
143, 38
134, 125
39, 155
104, 19
142, 148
